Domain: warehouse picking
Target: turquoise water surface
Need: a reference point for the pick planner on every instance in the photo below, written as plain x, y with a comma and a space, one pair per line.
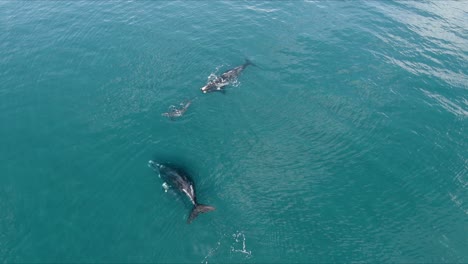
348, 142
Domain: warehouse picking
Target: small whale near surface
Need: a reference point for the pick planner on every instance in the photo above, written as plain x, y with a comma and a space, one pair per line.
175, 112
225, 78
178, 179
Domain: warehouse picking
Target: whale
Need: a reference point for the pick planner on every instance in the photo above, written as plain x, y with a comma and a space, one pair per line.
175, 112
225, 78
179, 180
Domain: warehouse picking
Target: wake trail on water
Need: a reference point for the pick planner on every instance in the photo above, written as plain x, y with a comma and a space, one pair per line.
236, 242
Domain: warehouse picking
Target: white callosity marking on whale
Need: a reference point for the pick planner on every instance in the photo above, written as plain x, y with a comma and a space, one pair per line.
165, 186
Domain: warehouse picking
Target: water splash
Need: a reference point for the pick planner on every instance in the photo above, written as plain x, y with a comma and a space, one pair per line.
214, 74
235, 83
237, 237
238, 245
212, 77
178, 111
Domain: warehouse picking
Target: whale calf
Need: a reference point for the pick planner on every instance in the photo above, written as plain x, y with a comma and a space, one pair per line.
178, 111
180, 180
224, 79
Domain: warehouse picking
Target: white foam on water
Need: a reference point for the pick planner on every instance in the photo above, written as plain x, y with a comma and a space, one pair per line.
235, 83
239, 237
211, 252
212, 77
214, 74
238, 245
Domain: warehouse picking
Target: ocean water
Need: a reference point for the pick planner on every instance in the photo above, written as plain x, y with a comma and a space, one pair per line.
347, 143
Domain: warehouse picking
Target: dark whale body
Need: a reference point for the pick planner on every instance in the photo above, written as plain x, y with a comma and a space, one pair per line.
226, 78
179, 180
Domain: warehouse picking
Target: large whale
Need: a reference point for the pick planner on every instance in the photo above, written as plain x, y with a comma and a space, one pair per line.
179, 180
224, 79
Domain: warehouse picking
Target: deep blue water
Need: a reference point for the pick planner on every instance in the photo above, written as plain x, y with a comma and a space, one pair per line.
347, 143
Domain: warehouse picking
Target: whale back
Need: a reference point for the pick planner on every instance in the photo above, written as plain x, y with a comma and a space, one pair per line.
178, 179
175, 177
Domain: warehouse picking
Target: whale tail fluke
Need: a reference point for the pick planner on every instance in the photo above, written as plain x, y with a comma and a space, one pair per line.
248, 62
198, 209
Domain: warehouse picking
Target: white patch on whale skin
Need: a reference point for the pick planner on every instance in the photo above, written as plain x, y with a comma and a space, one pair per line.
191, 190
204, 88
186, 192
165, 186
153, 165
221, 84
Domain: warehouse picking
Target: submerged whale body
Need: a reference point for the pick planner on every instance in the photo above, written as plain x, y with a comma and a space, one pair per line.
178, 111
179, 180
224, 79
